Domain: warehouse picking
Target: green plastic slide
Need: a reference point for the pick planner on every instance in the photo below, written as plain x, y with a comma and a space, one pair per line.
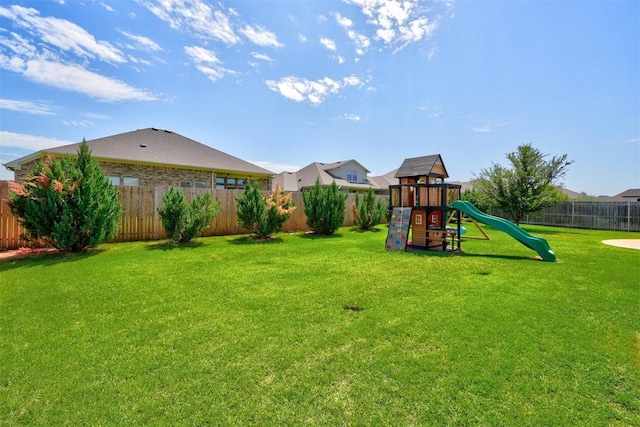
538, 244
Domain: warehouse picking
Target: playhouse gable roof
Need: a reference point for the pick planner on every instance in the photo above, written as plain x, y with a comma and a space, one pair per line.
421, 166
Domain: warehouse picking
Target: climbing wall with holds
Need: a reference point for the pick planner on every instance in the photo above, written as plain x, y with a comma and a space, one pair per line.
398, 229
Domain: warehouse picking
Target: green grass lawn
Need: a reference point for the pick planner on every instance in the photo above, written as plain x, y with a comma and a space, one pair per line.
232, 332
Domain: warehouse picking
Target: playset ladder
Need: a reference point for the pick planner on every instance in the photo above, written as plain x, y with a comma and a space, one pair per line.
398, 229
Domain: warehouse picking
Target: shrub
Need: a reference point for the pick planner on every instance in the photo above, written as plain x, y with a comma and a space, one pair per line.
324, 208
263, 216
183, 221
368, 211
69, 204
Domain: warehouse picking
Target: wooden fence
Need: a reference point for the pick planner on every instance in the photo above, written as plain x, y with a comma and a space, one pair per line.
140, 219
618, 216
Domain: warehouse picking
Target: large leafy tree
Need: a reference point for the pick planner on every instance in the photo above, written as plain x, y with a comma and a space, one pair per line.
529, 185
324, 208
70, 204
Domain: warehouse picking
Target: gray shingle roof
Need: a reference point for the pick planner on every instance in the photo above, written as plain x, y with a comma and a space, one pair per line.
417, 166
306, 177
632, 192
155, 146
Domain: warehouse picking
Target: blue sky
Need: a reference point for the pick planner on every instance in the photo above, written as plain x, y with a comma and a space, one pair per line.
286, 83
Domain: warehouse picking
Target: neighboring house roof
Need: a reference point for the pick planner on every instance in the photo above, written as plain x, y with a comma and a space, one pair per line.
384, 181
417, 166
156, 147
633, 193
307, 176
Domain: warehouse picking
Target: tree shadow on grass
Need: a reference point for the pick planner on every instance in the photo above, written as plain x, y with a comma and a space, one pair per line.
171, 245
449, 254
250, 240
313, 236
499, 256
357, 229
535, 232
46, 259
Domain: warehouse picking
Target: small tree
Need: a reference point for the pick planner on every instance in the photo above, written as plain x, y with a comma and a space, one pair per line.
263, 216
183, 221
368, 211
324, 208
530, 185
474, 197
70, 204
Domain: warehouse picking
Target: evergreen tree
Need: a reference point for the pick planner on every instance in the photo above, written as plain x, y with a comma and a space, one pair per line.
263, 216
368, 211
183, 221
528, 186
324, 208
70, 204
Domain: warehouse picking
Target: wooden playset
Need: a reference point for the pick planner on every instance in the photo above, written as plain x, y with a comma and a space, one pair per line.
420, 215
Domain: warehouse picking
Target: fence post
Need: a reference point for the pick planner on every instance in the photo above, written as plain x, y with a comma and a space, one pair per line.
573, 206
628, 216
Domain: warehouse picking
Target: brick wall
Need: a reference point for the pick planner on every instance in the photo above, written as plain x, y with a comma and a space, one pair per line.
151, 176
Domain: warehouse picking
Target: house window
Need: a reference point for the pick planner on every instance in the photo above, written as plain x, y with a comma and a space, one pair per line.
115, 180
185, 184
230, 183
352, 175
201, 184
130, 181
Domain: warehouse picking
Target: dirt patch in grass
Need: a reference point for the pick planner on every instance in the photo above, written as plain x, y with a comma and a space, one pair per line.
624, 243
26, 252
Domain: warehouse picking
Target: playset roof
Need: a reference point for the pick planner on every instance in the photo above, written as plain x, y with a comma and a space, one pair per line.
421, 166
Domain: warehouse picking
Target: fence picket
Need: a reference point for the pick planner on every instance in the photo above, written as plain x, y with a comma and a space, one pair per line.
140, 219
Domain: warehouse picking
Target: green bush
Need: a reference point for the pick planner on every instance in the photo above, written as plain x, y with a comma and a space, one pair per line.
68, 204
183, 221
263, 216
324, 208
368, 211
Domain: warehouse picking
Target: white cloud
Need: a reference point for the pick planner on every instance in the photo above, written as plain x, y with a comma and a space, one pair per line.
361, 42
29, 142
314, 92
262, 56
399, 23
351, 117
261, 36
201, 55
142, 42
195, 15
78, 123
343, 21
207, 62
77, 79
107, 7
302, 38
63, 34
26, 107
18, 45
632, 140
328, 43
482, 129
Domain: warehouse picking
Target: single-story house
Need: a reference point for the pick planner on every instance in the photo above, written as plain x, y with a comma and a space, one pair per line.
349, 175
156, 157
630, 195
